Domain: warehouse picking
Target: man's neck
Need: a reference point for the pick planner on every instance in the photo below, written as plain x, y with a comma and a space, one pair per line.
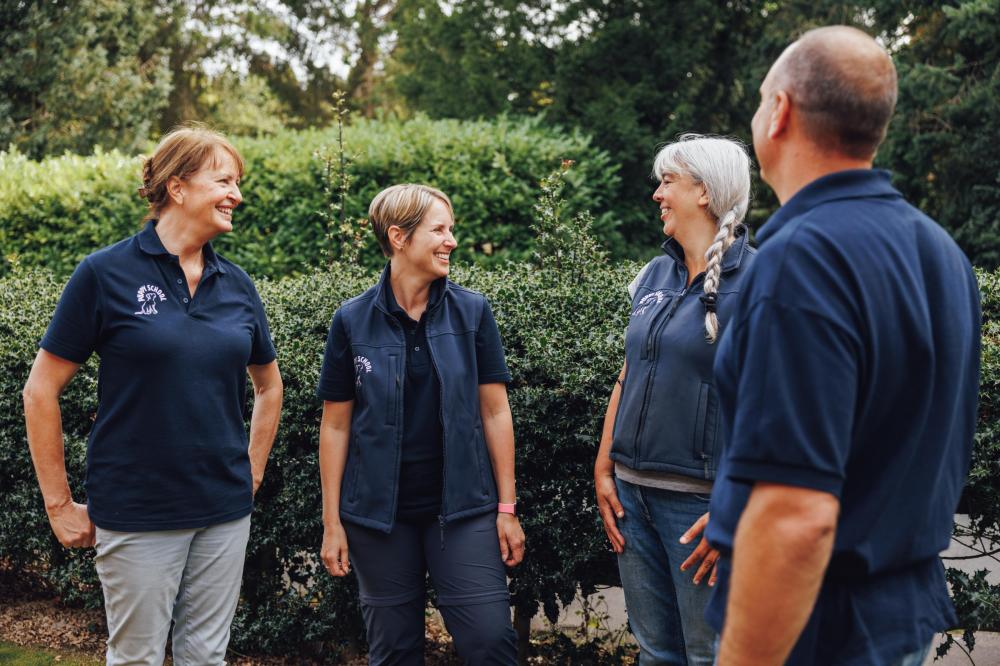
802, 166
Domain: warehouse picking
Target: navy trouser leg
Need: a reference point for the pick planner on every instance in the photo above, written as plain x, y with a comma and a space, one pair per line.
391, 572
471, 585
467, 573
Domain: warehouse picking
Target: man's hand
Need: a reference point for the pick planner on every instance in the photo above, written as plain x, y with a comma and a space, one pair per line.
704, 553
71, 525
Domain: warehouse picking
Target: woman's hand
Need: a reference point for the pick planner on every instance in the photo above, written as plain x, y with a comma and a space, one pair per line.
704, 553
511, 539
610, 508
334, 551
72, 526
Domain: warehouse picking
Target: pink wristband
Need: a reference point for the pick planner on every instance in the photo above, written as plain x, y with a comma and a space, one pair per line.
506, 508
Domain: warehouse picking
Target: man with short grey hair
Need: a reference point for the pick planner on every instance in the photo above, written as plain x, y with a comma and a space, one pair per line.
848, 381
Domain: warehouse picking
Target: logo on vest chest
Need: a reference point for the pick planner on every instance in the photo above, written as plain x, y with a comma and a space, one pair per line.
362, 366
148, 295
648, 301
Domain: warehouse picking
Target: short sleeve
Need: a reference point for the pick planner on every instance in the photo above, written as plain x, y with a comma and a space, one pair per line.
796, 383
336, 378
74, 331
489, 350
634, 284
263, 351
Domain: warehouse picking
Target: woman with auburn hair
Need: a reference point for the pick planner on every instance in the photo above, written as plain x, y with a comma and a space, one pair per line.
171, 473
661, 440
416, 446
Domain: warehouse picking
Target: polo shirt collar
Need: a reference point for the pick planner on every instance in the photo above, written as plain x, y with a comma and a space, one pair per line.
150, 243
848, 184
730, 261
385, 300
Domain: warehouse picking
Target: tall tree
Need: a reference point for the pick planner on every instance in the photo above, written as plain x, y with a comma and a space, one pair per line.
74, 75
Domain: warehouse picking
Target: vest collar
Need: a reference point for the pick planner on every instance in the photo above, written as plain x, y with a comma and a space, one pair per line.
384, 301
731, 260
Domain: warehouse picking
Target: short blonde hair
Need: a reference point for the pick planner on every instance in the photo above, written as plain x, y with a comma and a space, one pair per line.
403, 206
181, 152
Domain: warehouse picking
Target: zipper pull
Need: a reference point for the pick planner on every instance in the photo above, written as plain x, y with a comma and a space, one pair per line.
441, 523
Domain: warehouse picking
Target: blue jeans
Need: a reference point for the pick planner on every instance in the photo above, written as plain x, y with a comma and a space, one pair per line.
665, 608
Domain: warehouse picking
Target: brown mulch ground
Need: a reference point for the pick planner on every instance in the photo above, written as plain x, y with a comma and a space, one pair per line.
44, 623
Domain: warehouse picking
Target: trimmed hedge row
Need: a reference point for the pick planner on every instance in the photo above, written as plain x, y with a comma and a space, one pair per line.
56, 211
562, 322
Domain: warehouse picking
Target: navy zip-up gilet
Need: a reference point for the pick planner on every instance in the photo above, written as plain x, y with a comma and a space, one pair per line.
668, 413
370, 484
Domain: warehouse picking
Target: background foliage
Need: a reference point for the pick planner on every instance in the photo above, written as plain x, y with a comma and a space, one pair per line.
630, 73
55, 212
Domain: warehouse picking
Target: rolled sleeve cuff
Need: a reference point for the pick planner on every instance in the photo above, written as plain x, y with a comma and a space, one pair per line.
332, 395
64, 351
803, 477
496, 377
264, 359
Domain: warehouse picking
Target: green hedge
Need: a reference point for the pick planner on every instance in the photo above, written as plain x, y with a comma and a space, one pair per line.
54, 212
562, 322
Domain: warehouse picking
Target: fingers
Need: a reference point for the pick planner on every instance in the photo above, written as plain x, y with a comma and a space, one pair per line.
345, 560
611, 528
695, 530
615, 504
611, 511
91, 537
697, 555
715, 574
334, 553
511, 543
708, 565
72, 526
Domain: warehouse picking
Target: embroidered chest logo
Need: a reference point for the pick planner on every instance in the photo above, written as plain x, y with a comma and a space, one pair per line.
362, 366
148, 295
648, 301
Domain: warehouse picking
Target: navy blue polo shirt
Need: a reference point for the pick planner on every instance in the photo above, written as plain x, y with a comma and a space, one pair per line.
422, 463
852, 367
168, 449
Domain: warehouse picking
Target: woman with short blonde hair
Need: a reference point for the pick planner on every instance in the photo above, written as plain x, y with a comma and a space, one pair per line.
417, 444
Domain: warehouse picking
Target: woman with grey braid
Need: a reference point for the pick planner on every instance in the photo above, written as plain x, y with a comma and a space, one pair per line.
661, 436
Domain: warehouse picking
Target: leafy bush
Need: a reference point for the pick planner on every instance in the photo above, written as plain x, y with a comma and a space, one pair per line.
56, 211
562, 318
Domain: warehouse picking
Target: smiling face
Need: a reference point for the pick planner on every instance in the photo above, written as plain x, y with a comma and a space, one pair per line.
210, 194
429, 247
683, 203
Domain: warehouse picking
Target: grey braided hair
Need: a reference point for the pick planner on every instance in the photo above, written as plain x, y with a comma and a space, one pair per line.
722, 165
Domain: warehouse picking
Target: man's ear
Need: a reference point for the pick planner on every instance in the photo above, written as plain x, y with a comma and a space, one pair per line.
781, 110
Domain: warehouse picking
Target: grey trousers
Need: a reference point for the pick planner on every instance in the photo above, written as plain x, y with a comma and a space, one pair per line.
191, 577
